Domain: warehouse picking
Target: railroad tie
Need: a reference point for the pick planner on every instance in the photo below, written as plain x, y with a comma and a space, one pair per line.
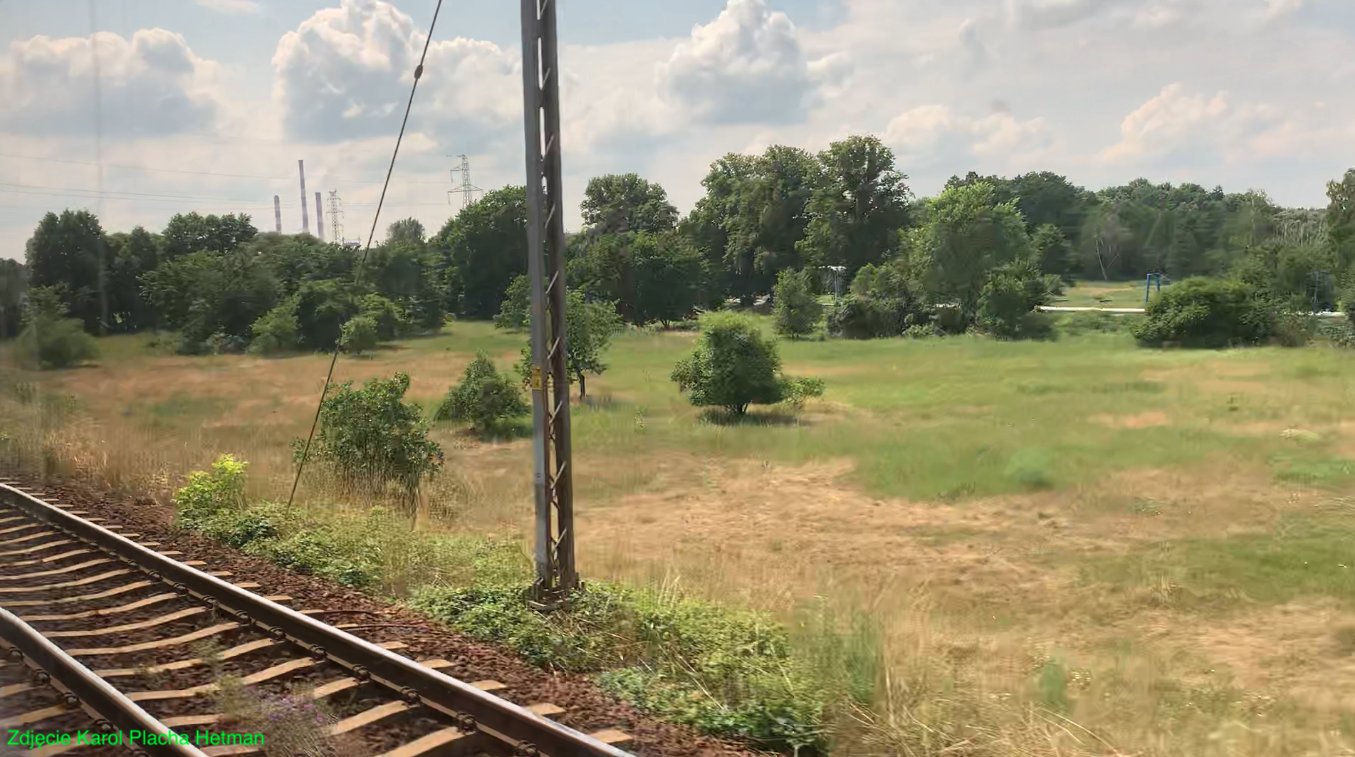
83, 598
65, 585
44, 560
187, 638
39, 548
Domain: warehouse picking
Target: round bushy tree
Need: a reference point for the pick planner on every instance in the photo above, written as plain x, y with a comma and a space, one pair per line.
276, 332
391, 320
485, 398
1207, 313
797, 310
358, 335
734, 366
1009, 298
370, 436
49, 338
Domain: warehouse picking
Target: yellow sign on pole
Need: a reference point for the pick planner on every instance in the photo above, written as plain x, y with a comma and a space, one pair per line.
536, 378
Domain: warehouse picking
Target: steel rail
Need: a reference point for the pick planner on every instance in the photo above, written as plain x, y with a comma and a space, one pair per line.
113, 712
510, 729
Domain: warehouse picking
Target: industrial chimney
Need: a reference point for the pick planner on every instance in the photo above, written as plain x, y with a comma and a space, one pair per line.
305, 221
277, 212
319, 219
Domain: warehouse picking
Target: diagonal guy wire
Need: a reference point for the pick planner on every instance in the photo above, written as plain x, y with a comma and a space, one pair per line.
418, 73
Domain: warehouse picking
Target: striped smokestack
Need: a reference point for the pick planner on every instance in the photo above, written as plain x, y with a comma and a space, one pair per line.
277, 212
319, 219
305, 220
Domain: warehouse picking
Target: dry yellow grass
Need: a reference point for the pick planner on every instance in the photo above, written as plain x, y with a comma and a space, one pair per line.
982, 591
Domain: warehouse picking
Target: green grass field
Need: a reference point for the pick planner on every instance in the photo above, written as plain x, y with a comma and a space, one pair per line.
1096, 294
1172, 529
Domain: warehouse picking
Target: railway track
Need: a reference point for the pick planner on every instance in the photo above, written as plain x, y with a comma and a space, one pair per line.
103, 636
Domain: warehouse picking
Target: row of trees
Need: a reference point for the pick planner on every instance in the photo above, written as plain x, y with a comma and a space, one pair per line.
983, 249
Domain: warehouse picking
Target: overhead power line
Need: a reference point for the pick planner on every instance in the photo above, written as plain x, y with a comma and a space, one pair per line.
145, 168
184, 172
120, 196
109, 194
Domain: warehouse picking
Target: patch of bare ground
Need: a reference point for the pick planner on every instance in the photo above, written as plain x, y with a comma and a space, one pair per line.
1139, 420
993, 584
809, 521
1302, 651
820, 370
768, 535
1230, 373
1219, 499
286, 381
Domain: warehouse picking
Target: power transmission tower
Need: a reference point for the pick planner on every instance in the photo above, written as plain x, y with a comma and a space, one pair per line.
335, 224
552, 481
466, 189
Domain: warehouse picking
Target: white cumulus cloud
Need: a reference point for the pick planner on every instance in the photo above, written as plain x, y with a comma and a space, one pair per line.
244, 7
748, 66
933, 136
149, 85
345, 73
1185, 125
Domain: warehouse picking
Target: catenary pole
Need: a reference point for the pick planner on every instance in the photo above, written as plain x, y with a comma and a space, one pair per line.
552, 474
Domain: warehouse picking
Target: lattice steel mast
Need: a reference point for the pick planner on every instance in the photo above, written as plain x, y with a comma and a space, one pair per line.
552, 477
466, 188
335, 217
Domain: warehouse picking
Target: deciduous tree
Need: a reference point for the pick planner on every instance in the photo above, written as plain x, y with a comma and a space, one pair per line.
487, 245
733, 367
621, 203
856, 214
964, 237
187, 233
65, 251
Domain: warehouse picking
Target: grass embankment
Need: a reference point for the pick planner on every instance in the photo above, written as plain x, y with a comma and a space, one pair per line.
728, 672
1016, 537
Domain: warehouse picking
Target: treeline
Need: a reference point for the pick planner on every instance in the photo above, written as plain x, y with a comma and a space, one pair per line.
982, 252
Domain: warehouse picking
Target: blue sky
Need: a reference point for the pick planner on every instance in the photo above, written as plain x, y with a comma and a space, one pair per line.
207, 104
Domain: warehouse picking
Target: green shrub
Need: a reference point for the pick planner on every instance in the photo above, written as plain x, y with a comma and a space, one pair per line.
1294, 329
1031, 469
55, 343
1348, 300
800, 389
1009, 297
515, 314
391, 320
277, 331
322, 307
49, 339
859, 317
222, 343
1337, 333
691, 324
797, 309
1208, 313
733, 367
863, 281
209, 493
319, 550
950, 320
371, 436
1095, 322
589, 327
485, 398
726, 672
358, 335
